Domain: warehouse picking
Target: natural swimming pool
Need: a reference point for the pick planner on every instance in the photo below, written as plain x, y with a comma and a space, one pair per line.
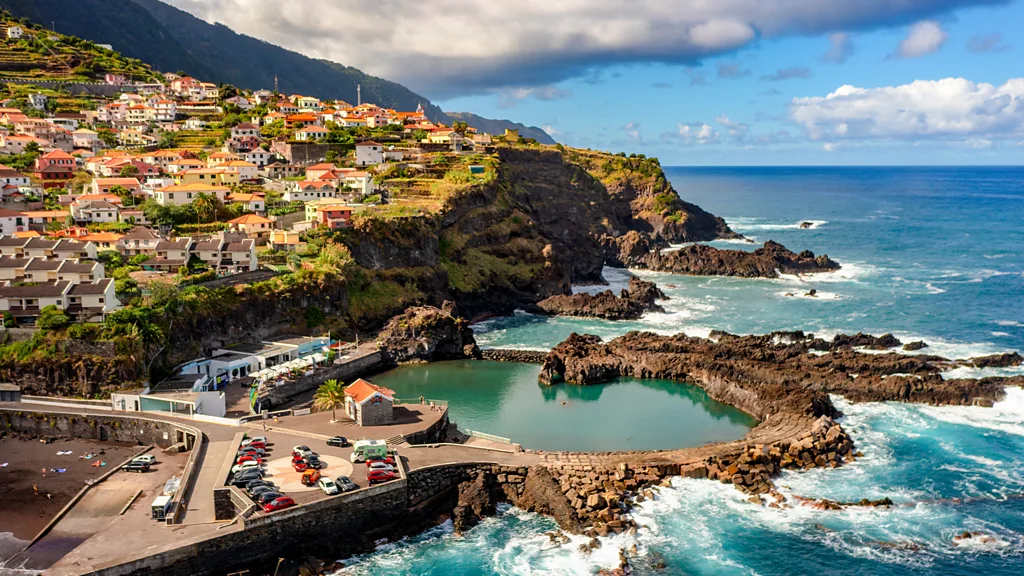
506, 399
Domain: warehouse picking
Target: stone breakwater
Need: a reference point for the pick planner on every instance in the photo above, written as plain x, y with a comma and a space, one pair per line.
509, 355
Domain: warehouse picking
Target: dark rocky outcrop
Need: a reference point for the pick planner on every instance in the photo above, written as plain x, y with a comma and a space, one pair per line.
764, 375
768, 261
996, 361
475, 503
427, 334
914, 346
632, 303
861, 340
639, 250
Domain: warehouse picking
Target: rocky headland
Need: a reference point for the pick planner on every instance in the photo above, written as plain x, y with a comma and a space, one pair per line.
631, 303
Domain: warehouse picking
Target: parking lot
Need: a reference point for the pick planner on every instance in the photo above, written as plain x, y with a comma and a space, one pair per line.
279, 470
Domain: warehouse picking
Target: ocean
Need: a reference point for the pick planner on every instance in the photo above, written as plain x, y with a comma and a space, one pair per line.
932, 254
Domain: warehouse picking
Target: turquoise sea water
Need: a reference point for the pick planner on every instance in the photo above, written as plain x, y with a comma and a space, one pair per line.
928, 253
505, 399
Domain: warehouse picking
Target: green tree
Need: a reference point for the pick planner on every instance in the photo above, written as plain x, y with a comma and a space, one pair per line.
108, 137
329, 396
204, 204
129, 171
124, 194
460, 127
52, 318
331, 156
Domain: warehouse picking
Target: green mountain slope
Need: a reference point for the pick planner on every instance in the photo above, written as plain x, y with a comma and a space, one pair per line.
499, 126
173, 40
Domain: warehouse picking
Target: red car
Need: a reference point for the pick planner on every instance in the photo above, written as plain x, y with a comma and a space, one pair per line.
300, 466
249, 457
387, 460
278, 504
259, 445
378, 476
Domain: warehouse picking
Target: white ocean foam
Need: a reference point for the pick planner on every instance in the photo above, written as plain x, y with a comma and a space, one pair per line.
1001, 334
1005, 416
848, 272
994, 256
818, 295
755, 224
1013, 323
617, 279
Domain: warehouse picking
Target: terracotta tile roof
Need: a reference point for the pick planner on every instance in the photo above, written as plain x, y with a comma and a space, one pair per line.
250, 219
361, 391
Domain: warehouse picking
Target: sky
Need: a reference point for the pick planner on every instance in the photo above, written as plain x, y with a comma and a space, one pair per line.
693, 82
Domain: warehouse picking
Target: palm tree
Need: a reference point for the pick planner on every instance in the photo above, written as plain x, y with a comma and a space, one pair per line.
204, 203
330, 394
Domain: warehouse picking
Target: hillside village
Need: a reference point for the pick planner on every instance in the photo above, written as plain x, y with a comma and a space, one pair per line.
176, 181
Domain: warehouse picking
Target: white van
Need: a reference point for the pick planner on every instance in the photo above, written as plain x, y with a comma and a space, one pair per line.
365, 449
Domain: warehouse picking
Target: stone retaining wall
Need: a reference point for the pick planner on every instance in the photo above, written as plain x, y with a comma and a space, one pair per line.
89, 427
341, 372
434, 433
508, 355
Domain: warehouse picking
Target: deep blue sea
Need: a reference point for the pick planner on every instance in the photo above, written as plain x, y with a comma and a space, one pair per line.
935, 254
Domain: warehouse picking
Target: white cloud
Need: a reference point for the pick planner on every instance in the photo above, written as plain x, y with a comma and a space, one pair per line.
511, 97
697, 133
452, 47
925, 37
952, 109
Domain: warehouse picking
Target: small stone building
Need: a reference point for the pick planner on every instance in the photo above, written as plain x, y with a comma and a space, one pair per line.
369, 404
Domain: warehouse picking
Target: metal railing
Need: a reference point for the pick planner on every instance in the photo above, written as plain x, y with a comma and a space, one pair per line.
420, 402
486, 436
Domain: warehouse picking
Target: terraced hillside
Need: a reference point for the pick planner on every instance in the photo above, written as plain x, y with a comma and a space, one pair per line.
49, 56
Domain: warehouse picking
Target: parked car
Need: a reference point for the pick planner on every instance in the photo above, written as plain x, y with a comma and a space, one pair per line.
147, 458
255, 492
251, 450
386, 459
310, 477
243, 477
328, 486
248, 441
313, 461
345, 484
279, 504
134, 466
257, 483
380, 465
303, 450
259, 445
378, 476
267, 497
299, 466
249, 458
245, 465
338, 441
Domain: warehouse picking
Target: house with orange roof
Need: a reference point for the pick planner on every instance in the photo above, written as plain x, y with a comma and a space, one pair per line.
311, 134
335, 217
218, 158
315, 171
285, 107
181, 194
103, 240
184, 164
368, 404
252, 224
304, 118
247, 171
222, 176
307, 190
105, 185
55, 169
252, 202
273, 116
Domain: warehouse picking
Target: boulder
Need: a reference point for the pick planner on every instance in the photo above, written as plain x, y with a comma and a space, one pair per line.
427, 333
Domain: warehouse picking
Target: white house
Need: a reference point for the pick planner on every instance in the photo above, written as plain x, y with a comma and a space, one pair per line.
37, 101
258, 156
14, 32
369, 153
309, 190
312, 134
11, 221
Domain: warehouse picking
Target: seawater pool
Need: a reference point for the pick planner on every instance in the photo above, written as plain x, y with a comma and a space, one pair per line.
506, 399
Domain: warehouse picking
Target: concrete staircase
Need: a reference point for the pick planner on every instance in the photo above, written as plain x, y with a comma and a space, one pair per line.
396, 440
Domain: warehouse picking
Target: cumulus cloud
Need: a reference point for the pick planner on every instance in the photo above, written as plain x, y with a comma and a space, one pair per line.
695, 133
925, 37
988, 43
453, 47
788, 74
951, 109
840, 48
